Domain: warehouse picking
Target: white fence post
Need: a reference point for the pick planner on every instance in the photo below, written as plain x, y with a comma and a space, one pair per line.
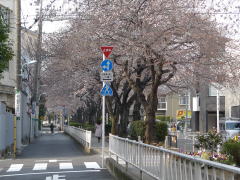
84, 137
164, 164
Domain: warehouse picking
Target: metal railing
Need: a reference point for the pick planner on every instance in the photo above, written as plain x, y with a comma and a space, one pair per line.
165, 164
81, 135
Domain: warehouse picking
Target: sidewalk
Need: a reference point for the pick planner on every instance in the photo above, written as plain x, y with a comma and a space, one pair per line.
97, 146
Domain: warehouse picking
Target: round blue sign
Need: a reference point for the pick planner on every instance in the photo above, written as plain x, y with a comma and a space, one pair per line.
107, 65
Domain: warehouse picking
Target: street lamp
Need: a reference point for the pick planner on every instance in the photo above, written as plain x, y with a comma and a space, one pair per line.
30, 62
18, 109
22, 75
25, 64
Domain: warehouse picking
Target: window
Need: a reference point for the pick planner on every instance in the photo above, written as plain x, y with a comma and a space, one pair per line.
5, 15
162, 104
183, 100
232, 125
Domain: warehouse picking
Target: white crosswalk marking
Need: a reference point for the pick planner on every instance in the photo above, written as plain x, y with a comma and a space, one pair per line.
15, 167
92, 165
40, 166
65, 166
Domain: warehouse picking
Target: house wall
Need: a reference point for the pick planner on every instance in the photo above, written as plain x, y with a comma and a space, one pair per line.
232, 100
8, 80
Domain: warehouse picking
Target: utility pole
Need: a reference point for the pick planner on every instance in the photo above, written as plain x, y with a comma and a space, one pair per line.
17, 120
218, 107
37, 68
18, 53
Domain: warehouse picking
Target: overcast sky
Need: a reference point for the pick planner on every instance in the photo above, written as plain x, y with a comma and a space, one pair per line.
227, 13
30, 10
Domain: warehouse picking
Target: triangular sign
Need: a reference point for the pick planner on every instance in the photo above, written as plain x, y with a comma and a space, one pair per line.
106, 91
107, 50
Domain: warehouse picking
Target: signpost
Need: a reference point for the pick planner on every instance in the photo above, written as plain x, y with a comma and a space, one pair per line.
106, 76
107, 65
107, 50
106, 90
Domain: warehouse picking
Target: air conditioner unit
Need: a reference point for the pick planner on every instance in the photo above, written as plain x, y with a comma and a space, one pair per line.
196, 103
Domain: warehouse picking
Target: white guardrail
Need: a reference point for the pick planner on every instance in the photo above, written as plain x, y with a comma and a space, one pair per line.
81, 135
165, 164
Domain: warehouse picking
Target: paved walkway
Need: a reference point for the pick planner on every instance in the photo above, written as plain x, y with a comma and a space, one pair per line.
54, 156
97, 146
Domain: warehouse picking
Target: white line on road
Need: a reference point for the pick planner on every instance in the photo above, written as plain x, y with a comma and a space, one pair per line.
15, 167
92, 165
61, 172
53, 160
65, 166
40, 166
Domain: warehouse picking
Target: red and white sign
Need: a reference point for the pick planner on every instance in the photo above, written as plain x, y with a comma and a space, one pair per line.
107, 50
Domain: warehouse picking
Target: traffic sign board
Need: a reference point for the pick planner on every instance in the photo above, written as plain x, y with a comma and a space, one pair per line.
106, 76
107, 50
106, 90
106, 65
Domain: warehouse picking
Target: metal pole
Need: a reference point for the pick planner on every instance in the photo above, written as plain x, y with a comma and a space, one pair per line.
38, 67
218, 129
18, 72
18, 52
103, 123
15, 137
186, 117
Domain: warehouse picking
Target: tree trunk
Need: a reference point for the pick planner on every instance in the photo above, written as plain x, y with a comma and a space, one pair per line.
124, 121
150, 131
136, 110
114, 120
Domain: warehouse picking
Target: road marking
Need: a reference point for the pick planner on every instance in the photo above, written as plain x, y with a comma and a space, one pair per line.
56, 177
61, 172
53, 160
15, 167
65, 166
92, 165
40, 166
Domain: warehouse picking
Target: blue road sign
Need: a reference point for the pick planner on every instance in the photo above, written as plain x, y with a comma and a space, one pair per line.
106, 65
106, 91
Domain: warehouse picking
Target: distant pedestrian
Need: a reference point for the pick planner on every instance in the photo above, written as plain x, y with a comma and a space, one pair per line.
98, 130
52, 128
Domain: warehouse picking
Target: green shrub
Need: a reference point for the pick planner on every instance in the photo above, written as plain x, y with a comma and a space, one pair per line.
209, 141
74, 123
163, 118
87, 126
232, 148
161, 131
137, 128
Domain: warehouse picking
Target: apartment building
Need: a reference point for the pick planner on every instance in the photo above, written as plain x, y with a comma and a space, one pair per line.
175, 106
8, 79
201, 109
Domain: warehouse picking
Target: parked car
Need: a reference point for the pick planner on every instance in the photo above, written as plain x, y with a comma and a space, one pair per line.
230, 127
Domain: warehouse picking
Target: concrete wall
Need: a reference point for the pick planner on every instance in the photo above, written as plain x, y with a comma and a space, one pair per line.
6, 129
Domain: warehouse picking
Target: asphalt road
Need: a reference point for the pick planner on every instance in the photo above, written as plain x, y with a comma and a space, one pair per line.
53, 157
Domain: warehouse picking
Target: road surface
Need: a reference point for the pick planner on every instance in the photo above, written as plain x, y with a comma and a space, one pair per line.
53, 157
